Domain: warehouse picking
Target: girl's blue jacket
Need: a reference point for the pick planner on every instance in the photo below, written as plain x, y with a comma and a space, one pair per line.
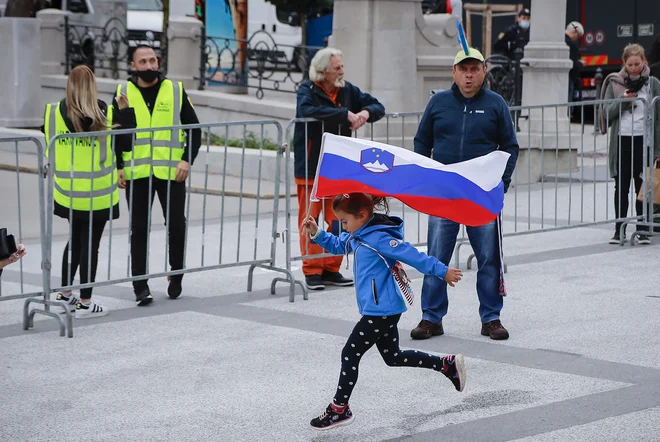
376, 290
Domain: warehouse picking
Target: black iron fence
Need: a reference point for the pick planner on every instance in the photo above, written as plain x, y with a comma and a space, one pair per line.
258, 62
106, 49
103, 48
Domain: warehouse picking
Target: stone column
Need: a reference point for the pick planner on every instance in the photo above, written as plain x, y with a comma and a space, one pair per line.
20, 70
544, 136
184, 40
53, 41
545, 81
377, 38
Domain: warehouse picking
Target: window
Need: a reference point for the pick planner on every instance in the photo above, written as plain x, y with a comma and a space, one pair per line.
291, 18
77, 6
145, 5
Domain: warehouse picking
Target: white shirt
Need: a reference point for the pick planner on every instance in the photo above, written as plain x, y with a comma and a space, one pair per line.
632, 120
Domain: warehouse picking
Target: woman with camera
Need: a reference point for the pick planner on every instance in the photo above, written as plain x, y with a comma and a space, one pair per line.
85, 179
627, 126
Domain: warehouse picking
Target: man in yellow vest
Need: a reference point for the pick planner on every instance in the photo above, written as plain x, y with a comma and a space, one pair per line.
158, 164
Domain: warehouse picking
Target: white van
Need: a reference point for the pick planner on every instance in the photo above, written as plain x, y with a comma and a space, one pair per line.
144, 20
264, 16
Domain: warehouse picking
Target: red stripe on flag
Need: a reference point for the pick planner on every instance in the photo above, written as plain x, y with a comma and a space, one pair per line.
462, 211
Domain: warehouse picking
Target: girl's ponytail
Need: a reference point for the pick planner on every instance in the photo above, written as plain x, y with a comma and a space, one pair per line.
353, 203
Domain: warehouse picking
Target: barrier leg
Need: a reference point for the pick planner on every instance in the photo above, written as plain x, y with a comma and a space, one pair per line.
289, 279
28, 315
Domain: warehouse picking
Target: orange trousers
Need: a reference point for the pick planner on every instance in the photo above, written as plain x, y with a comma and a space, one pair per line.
307, 247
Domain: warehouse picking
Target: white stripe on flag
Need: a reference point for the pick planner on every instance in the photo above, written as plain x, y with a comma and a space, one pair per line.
485, 171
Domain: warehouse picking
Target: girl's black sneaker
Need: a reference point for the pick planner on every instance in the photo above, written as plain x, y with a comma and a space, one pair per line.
453, 366
331, 418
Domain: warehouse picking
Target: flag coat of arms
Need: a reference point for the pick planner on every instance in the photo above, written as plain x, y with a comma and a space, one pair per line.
470, 192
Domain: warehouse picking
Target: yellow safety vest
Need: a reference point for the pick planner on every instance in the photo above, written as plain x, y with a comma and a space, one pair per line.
155, 151
84, 169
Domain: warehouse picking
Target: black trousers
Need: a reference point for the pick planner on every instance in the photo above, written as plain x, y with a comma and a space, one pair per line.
81, 255
383, 332
140, 227
630, 167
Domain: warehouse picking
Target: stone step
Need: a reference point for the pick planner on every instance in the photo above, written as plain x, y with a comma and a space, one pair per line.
598, 174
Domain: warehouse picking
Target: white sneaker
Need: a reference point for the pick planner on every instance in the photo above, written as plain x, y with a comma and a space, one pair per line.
70, 300
93, 310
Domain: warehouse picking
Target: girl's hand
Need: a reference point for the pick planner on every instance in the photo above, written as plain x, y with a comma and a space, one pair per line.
309, 226
122, 101
453, 276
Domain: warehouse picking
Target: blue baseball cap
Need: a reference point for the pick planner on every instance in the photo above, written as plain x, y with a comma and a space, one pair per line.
524, 11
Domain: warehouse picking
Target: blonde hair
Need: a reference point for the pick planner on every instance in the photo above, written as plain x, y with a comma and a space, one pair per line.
82, 100
633, 50
321, 63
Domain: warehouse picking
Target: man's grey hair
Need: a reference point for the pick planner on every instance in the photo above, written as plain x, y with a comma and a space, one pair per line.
321, 63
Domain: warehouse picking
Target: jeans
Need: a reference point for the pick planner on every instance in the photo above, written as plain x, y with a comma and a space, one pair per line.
484, 241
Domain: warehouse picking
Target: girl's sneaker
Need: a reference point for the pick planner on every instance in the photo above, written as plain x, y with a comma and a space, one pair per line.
331, 418
70, 300
453, 366
92, 310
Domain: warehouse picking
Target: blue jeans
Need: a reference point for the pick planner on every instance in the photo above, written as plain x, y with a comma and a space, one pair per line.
484, 241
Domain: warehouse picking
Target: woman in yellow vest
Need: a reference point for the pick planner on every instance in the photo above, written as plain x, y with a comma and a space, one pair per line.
85, 180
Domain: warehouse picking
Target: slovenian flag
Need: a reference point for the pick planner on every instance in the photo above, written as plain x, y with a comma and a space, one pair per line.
470, 192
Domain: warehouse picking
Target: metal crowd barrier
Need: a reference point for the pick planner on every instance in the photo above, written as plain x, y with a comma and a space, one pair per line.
547, 194
24, 196
219, 240
650, 220
561, 180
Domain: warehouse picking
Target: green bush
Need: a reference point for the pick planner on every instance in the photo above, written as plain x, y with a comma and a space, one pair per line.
251, 141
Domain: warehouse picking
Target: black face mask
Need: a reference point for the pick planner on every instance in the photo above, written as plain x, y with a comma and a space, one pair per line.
147, 76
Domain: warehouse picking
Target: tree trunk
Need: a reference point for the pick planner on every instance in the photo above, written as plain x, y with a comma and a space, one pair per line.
20, 8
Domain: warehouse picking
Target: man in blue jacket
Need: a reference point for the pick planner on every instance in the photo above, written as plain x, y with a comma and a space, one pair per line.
341, 108
459, 124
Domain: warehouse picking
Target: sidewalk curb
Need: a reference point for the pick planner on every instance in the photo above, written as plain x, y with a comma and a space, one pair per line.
191, 189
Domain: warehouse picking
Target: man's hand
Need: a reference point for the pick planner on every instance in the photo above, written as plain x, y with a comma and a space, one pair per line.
122, 101
121, 181
363, 117
182, 171
354, 120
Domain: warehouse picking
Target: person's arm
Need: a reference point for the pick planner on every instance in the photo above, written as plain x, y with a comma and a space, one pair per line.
613, 110
503, 43
403, 251
369, 103
574, 55
193, 136
332, 243
20, 252
126, 119
424, 138
654, 51
507, 141
306, 108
